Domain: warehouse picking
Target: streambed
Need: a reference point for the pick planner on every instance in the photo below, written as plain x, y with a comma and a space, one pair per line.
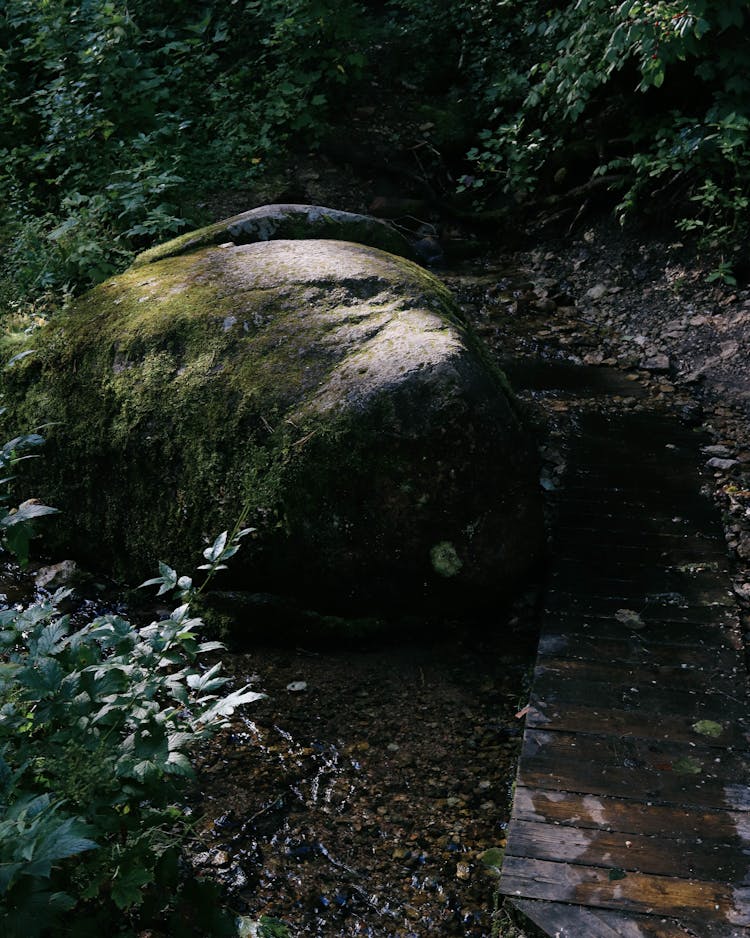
363, 795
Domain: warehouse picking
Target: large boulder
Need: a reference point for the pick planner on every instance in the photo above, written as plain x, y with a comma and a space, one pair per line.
287, 221
327, 385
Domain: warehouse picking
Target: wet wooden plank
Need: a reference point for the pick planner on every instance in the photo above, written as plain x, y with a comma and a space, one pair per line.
698, 508
653, 926
658, 771
634, 892
669, 492
676, 588
666, 690
626, 819
566, 921
652, 632
633, 567
631, 816
622, 428
570, 921
571, 717
672, 519
589, 549
685, 857
609, 606
630, 565
614, 539
631, 648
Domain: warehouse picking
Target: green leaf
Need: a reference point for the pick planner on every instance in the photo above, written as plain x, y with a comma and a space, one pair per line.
179, 764
19, 357
213, 553
688, 765
616, 873
67, 840
178, 614
26, 512
127, 888
708, 728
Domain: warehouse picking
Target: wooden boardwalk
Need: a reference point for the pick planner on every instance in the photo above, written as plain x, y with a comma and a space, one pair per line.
631, 814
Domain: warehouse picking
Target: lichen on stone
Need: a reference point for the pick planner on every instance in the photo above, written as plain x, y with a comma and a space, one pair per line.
445, 560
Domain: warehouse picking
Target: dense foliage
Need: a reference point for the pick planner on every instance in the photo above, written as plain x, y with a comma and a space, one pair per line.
115, 118
97, 724
653, 95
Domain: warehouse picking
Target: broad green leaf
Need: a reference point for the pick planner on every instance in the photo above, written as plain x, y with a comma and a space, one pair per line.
179, 764
127, 887
26, 512
213, 553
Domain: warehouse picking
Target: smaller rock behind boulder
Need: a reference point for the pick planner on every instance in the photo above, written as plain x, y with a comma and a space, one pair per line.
296, 222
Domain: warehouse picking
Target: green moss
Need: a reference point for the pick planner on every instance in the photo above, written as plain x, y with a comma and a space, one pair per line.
445, 560
181, 392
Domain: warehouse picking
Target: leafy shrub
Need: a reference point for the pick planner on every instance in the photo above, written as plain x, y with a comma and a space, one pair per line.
112, 117
648, 90
97, 724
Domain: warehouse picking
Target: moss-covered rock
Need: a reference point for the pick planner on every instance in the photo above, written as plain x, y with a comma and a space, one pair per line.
328, 385
276, 222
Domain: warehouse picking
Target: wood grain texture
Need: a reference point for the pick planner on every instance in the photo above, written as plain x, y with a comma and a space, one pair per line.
633, 892
569, 921
631, 812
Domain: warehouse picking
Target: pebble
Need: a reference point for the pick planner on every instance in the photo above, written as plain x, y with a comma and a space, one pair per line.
724, 464
656, 363
597, 292
56, 575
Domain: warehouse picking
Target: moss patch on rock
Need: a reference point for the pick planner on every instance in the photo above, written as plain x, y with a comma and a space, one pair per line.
285, 221
327, 385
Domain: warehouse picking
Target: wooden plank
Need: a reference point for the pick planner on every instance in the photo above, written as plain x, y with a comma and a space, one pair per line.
630, 816
698, 512
637, 507
720, 697
613, 540
635, 892
634, 567
672, 490
609, 606
652, 633
563, 716
614, 672
657, 771
589, 550
676, 589
668, 493
686, 857
724, 704
570, 921
620, 525
566, 921
633, 649
623, 428
660, 562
